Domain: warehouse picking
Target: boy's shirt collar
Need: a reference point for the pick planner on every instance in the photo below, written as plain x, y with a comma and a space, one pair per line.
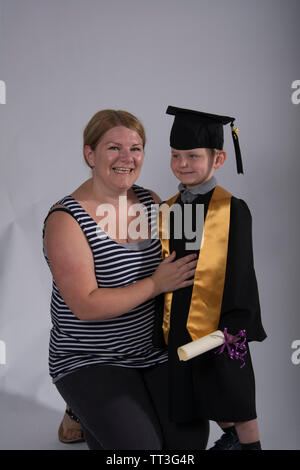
188, 195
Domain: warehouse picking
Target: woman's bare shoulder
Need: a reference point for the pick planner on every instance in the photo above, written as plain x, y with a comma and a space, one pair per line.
155, 196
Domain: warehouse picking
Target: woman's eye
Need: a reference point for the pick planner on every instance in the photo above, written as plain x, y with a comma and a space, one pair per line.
113, 147
136, 149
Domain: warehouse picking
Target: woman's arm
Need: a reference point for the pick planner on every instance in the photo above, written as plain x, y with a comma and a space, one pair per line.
155, 196
72, 266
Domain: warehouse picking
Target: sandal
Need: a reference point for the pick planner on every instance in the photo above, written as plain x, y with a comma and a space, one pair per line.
61, 435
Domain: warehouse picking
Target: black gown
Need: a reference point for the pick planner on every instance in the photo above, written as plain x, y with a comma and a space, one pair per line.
214, 386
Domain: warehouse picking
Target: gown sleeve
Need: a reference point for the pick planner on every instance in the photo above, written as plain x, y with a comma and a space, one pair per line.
240, 305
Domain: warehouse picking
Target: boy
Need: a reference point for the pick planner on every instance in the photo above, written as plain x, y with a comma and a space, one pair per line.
224, 294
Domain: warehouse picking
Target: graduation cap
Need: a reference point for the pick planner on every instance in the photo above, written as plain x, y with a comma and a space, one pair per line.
194, 129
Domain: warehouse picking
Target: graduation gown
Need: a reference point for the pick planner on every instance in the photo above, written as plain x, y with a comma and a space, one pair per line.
214, 386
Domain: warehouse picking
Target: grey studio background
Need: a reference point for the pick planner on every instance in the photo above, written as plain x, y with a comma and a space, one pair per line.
63, 60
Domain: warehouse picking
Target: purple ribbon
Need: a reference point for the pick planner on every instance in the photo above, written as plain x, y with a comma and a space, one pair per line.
236, 348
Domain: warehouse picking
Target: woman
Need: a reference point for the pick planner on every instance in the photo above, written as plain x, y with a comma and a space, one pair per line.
102, 359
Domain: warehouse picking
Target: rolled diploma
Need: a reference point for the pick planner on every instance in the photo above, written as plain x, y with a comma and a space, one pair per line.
201, 345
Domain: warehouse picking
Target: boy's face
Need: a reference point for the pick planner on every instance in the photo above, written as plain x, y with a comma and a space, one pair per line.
192, 167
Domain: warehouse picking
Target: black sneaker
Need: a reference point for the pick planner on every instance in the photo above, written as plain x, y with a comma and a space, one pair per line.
228, 441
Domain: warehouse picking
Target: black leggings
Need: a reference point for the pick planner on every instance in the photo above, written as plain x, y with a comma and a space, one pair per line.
124, 408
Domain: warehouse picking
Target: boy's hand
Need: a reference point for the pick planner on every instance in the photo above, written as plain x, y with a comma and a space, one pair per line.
230, 337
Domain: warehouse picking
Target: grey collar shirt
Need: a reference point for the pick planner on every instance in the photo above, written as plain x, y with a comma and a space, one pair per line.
188, 195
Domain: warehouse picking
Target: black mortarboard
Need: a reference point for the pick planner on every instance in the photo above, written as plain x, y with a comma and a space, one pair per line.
194, 129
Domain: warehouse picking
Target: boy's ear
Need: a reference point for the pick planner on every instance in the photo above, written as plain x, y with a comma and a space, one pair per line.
220, 158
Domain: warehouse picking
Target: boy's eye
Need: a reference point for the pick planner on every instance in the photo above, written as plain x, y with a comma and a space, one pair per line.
174, 155
193, 156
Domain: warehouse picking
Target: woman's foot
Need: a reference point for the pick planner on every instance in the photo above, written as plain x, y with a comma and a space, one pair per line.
70, 430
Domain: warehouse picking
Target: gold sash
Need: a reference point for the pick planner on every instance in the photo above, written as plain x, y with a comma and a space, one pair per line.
206, 301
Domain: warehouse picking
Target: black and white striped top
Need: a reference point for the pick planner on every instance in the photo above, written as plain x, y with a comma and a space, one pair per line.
125, 340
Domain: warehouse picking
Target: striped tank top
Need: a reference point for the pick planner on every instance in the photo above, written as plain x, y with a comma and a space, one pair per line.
125, 340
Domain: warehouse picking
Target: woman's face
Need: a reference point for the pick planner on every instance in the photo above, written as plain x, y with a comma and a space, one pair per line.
118, 158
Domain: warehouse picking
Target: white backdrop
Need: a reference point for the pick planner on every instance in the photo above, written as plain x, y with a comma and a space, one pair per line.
63, 60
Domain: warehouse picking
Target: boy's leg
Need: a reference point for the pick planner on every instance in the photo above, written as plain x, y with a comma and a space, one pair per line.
114, 407
176, 436
241, 436
229, 440
225, 425
248, 434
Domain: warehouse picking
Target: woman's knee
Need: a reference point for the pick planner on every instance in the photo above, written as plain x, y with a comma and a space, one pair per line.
115, 409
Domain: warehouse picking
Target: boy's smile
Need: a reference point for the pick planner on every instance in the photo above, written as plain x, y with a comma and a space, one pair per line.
192, 167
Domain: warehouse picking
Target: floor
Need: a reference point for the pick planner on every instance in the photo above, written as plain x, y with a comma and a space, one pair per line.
26, 425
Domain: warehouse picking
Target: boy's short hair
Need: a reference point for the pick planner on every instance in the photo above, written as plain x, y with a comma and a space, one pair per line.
212, 152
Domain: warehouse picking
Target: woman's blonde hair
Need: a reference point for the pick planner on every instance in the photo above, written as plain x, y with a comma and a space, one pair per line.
105, 120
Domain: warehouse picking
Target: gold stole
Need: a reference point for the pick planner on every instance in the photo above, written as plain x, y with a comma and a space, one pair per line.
209, 279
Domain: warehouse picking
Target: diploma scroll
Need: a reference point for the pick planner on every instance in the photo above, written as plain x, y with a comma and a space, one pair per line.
201, 345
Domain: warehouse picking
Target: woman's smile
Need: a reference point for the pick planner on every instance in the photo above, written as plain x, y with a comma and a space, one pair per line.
118, 158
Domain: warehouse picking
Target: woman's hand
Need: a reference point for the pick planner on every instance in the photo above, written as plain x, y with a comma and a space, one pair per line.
72, 266
172, 275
